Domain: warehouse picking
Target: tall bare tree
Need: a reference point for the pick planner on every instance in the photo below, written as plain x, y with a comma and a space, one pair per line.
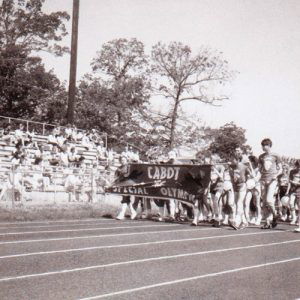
183, 77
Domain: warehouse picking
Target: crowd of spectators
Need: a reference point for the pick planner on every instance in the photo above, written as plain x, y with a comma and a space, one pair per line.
62, 147
81, 157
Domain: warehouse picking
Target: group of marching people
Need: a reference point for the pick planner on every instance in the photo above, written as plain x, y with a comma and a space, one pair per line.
241, 192
249, 189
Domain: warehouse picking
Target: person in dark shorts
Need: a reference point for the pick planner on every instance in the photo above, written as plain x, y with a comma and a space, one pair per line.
295, 192
122, 171
282, 193
270, 169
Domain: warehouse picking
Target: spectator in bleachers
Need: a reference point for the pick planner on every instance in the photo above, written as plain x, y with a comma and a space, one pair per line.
19, 155
111, 155
52, 140
57, 130
74, 134
85, 142
39, 155
7, 135
95, 137
64, 157
130, 154
60, 141
28, 139
54, 157
75, 159
68, 133
20, 134
101, 152
77, 135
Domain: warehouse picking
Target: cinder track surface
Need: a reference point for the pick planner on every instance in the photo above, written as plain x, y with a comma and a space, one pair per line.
110, 259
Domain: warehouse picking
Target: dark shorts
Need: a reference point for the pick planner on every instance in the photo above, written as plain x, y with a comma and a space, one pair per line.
238, 187
159, 202
125, 199
216, 187
295, 190
282, 191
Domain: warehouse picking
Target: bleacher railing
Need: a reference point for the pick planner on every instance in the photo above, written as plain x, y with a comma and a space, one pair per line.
44, 126
53, 185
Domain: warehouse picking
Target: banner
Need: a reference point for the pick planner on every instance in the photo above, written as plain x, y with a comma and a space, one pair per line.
182, 182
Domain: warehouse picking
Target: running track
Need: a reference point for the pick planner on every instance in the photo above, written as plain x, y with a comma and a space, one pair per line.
110, 259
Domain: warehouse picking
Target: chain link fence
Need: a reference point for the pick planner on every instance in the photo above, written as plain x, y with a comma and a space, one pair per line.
20, 184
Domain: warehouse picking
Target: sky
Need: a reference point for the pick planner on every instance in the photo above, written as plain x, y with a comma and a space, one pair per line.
259, 38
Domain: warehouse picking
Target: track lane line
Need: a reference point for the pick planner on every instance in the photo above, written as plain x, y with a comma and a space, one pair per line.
135, 244
71, 225
104, 235
84, 229
49, 222
5, 279
191, 279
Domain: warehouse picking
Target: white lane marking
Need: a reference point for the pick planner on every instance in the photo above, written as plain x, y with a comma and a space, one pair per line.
136, 244
70, 225
85, 229
58, 221
146, 287
105, 235
143, 260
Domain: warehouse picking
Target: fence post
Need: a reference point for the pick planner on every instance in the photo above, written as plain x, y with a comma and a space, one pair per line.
13, 187
54, 180
43, 128
22, 185
92, 189
27, 127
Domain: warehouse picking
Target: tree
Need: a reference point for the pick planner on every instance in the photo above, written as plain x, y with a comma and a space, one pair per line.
24, 31
183, 77
191, 134
114, 102
226, 139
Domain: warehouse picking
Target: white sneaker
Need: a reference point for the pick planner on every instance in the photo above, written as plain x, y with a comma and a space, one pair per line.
120, 217
201, 218
293, 222
225, 222
252, 221
297, 230
283, 218
133, 215
258, 221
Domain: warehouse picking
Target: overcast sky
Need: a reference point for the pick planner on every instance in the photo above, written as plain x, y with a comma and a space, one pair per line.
259, 38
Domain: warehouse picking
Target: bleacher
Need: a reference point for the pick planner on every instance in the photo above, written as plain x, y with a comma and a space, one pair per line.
58, 174
6, 151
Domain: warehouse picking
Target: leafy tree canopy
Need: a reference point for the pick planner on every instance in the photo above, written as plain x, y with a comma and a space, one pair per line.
226, 139
115, 101
24, 31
